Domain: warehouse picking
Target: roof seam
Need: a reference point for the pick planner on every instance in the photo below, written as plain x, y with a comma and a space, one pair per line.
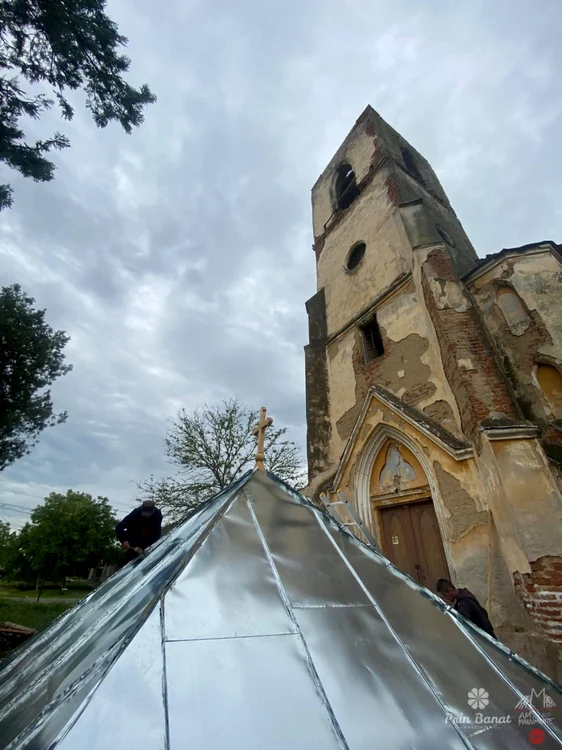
287, 603
391, 630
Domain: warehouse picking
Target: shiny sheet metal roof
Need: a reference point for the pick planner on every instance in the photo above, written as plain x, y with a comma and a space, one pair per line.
261, 624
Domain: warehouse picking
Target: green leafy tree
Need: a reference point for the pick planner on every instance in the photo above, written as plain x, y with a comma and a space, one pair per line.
31, 358
5, 544
212, 447
16, 564
63, 46
68, 533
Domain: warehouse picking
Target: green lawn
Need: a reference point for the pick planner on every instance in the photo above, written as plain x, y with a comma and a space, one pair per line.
36, 616
75, 591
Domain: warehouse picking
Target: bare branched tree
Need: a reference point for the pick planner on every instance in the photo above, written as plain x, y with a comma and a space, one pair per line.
212, 447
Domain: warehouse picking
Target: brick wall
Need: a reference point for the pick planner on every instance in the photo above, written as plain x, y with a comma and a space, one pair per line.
481, 392
317, 401
541, 593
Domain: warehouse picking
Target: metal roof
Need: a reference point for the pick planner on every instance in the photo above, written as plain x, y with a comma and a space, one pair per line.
261, 623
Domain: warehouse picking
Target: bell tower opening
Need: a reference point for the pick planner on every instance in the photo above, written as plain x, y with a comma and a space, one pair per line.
346, 187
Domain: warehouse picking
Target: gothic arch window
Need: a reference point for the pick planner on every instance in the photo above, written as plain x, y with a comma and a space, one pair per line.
346, 187
513, 309
550, 380
412, 166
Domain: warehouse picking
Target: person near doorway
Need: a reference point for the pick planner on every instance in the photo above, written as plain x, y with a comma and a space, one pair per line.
141, 528
466, 605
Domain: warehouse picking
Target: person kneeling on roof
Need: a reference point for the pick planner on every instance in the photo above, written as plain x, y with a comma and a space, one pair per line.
141, 528
466, 605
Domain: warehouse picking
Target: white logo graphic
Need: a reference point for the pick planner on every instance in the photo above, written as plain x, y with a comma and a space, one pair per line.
478, 698
542, 700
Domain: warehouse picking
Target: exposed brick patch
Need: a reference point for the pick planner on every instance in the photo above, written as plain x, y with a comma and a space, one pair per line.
398, 355
392, 189
553, 432
317, 399
541, 593
370, 127
482, 392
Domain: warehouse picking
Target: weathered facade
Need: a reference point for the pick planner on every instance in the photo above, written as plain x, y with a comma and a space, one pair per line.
434, 387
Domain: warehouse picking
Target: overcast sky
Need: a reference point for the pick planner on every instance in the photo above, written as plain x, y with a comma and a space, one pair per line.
179, 258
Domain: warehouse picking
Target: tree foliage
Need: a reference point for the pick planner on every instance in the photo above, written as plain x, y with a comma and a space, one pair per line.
63, 45
67, 533
31, 358
212, 447
5, 543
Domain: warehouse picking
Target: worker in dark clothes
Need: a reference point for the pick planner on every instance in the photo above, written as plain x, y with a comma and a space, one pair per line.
141, 528
466, 605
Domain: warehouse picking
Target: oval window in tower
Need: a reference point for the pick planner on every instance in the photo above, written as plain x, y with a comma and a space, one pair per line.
355, 256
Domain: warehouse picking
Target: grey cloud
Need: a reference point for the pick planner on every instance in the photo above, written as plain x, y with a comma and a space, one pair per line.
179, 258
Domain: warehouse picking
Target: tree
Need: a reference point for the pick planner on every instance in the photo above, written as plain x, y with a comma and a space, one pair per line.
212, 447
5, 544
68, 533
64, 45
31, 358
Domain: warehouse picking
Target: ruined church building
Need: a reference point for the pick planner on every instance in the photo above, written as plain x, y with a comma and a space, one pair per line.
434, 387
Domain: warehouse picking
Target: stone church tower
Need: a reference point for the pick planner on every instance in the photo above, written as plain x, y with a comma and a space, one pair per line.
434, 387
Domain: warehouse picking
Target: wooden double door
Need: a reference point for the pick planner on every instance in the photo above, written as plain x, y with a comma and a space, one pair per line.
412, 541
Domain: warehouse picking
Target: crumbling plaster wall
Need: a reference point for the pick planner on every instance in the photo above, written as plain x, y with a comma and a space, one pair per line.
410, 367
460, 500
357, 151
537, 279
374, 220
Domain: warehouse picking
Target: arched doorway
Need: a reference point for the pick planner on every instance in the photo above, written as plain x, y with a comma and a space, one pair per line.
402, 508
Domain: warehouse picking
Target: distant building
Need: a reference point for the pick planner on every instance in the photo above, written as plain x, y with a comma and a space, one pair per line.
434, 386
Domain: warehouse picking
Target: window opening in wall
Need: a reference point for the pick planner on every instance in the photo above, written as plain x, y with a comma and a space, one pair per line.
372, 340
550, 381
346, 187
513, 309
411, 165
355, 256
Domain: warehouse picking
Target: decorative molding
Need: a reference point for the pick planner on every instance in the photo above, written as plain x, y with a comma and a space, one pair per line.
455, 448
511, 432
537, 248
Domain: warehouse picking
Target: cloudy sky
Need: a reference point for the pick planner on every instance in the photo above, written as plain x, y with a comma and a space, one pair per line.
179, 258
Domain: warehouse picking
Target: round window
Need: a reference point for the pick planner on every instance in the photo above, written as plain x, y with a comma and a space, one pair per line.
355, 256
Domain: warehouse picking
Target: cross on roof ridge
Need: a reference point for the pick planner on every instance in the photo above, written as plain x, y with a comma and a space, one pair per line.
259, 430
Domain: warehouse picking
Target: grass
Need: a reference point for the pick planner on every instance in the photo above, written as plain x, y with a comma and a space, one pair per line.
36, 616
75, 591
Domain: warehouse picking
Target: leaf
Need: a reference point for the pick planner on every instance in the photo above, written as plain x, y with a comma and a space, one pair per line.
31, 359
64, 46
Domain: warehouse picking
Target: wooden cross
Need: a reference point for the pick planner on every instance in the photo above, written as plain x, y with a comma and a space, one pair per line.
259, 430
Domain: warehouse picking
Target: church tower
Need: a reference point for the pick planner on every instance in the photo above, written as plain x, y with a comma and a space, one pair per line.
415, 407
